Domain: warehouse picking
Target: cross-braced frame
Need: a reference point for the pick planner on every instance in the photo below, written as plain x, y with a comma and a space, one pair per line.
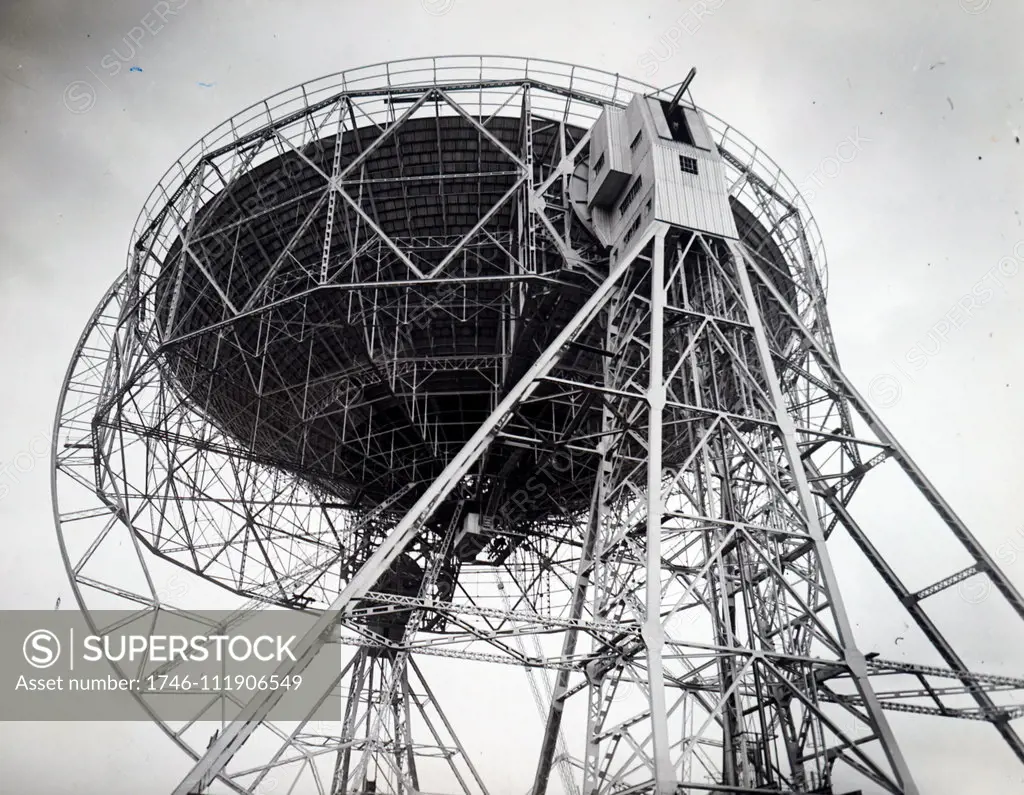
367, 310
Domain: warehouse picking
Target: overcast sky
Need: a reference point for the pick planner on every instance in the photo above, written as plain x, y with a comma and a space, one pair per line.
928, 209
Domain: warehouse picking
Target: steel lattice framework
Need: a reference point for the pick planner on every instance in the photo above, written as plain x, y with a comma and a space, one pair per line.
369, 361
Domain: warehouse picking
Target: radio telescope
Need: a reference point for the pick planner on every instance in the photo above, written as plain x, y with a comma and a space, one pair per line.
483, 363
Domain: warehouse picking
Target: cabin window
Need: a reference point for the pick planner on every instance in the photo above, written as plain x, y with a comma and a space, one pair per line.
631, 195
633, 227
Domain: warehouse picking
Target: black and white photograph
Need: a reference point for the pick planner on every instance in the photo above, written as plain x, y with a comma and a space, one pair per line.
464, 397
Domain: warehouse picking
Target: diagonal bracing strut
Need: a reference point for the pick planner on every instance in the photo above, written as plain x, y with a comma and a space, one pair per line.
259, 707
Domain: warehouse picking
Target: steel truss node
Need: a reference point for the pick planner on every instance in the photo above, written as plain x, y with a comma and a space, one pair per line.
367, 361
